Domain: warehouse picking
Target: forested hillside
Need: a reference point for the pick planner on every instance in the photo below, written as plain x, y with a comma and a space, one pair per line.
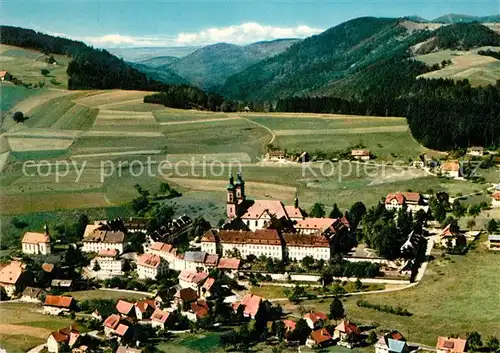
161, 74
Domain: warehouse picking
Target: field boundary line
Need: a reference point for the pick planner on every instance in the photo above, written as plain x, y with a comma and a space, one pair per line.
195, 121
265, 127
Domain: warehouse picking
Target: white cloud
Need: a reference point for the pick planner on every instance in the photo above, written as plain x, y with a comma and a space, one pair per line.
239, 34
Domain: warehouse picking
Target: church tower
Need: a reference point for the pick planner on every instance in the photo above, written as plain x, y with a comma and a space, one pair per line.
231, 201
240, 188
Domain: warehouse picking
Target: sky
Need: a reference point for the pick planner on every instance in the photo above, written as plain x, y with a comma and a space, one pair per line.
145, 23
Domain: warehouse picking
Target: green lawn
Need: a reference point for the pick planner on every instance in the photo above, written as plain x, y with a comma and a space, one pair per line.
174, 115
11, 95
458, 295
206, 343
104, 294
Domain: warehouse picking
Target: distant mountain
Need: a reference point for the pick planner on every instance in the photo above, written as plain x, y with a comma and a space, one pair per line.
457, 18
162, 74
340, 57
416, 18
141, 54
159, 61
211, 65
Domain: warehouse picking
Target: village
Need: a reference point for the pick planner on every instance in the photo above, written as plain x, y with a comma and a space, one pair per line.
208, 285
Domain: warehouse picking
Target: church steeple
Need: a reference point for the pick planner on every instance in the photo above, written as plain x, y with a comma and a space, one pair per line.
231, 201
240, 187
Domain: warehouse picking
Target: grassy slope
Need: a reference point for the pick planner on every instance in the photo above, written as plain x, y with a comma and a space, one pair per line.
455, 296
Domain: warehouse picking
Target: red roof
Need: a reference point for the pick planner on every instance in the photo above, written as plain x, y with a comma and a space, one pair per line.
447, 232
360, 153
149, 260
209, 283
293, 212
163, 247
58, 301
11, 273
321, 336
3, 73
260, 236
456, 345
192, 276
107, 252
121, 330
112, 321
186, 295
347, 327
251, 303
402, 197
200, 308
226, 263
124, 307
272, 207
313, 241
143, 305
160, 316
316, 316
211, 260
450, 166
289, 324
47, 267
59, 337
35, 238
496, 195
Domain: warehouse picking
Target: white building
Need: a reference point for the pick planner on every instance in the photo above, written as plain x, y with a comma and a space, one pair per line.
67, 336
313, 225
475, 151
36, 243
57, 304
451, 169
108, 263
265, 242
412, 200
150, 266
99, 236
494, 242
159, 318
299, 246
192, 279
363, 155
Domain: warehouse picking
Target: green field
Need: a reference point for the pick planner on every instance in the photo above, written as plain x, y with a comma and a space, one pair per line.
457, 295
105, 294
11, 95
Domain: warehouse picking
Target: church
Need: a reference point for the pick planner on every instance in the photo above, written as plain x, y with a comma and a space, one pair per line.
256, 214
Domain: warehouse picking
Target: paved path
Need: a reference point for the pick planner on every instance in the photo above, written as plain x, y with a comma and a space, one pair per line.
263, 126
128, 291
37, 349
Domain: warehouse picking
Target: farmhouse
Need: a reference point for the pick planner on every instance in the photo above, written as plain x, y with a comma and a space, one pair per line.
250, 303
111, 323
144, 309
184, 297
14, 277
451, 169
57, 304
299, 246
495, 199
475, 151
255, 214
392, 342
150, 266
99, 236
450, 238
494, 242
361, 154
126, 309
275, 155
323, 226
5, 76
451, 345
36, 243
106, 264
315, 320
229, 264
192, 279
197, 310
412, 200
67, 335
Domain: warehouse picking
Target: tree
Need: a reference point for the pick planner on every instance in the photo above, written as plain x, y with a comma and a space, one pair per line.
307, 262
459, 210
471, 223
96, 267
19, 117
493, 344
279, 330
301, 332
336, 310
335, 213
492, 226
44, 72
356, 213
164, 188
437, 208
474, 340
474, 210
318, 210
372, 338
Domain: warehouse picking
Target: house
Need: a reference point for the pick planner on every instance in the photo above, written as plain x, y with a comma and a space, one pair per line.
392, 342
246, 109
494, 242
412, 200
126, 309
163, 250
144, 309
495, 199
323, 226
229, 265
197, 311
57, 304
111, 323
14, 277
275, 155
126, 349
96, 315
346, 333
67, 335
451, 169
207, 288
451, 345
47, 267
32, 295
211, 261
107, 264
250, 303
36, 243
448, 237
195, 259
319, 338
150, 266
315, 319
475, 151
289, 325
192, 279
159, 318
299, 246
61, 284
99, 236
121, 331
363, 155
184, 297
5, 76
